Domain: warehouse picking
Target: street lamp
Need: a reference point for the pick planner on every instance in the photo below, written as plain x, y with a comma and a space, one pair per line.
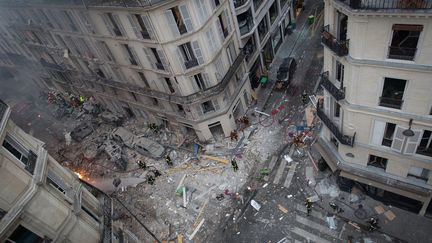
408, 132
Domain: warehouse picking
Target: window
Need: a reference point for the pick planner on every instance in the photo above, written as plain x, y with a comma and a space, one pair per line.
263, 28
139, 27
245, 22
89, 213
112, 22
273, 11
377, 161
334, 141
216, 2
144, 79
249, 48
336, 110
188, 55
170, 85
404, 41
388, 134
70, 20
22, 234
158, 63
257, 4
27, 157
200, 82
106, 51
419, 173
131, 54
425, 145
179, 20
392, 94
208, 107
224, 25
340, 69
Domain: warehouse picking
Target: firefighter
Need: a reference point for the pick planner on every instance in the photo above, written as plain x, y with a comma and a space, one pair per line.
169, 160
234, 164
308, 204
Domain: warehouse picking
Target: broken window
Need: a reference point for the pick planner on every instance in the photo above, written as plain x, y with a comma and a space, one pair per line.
388, 134
392, 94
208, 106
419, 173
22, 234
27, 157
425, 145
377, 161
404, 42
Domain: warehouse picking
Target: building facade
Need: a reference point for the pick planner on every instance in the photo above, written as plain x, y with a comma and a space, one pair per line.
376, 111
262, 27
176, 63
41, 201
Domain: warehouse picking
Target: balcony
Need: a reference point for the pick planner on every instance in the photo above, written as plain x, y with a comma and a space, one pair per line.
337, 93
191, 63
402, 53
337, 46
391, 102
343, 139
388, 4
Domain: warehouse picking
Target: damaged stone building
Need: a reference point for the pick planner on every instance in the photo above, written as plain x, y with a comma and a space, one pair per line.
377, 112
42, 201
176, 63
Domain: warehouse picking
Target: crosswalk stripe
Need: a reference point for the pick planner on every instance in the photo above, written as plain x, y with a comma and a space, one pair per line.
321, 228
313, 213
279, 172
305, 234
272, 164
290, 175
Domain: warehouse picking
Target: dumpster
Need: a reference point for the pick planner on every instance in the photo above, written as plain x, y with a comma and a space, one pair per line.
311, 19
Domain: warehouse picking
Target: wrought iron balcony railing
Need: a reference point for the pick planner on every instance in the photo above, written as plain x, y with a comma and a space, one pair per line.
337, 93
391, 102
337, 46
160, 66
343, 139
388, 4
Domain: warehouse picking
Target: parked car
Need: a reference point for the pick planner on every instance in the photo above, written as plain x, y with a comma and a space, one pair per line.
286, 71
142, 145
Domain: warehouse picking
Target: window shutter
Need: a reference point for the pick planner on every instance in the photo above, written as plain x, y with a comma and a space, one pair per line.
226, 19
216, 104
210, 40
148, 26
202, 10
119, 24
412, 142
134, 26
398, 139
150, 58
108, 24
220, 31
180, 58
172, 23
186, 17
198, 53
163, 59
132, 49
378, 132
206, 80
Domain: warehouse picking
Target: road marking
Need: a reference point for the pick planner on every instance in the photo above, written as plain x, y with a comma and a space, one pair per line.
314, 213
320, 227
280, 171
290, 175
272, 164
309, 236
